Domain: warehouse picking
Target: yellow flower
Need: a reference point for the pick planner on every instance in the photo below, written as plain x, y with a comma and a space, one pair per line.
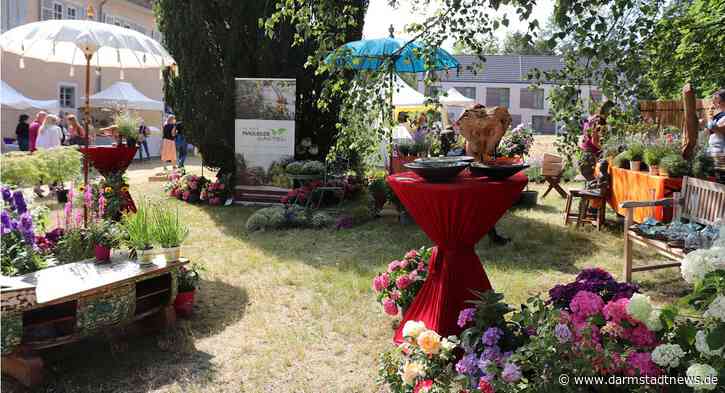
124, 189
411, 371
108, 189
81, 188
412, 329
430, 342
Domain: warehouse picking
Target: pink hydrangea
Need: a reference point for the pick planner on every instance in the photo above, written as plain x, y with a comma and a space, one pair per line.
393, 266
616, 311
640, 336
640, 363
412, 254
390, 307
585, 331
585, 304
381, 282
403, 282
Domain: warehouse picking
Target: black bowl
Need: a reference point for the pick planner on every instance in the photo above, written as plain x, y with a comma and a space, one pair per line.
439, 160
437, 173
496, 171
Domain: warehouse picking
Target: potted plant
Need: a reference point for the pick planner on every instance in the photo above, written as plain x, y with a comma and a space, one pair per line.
169, 232
673, 165
636, 153
652, 156
105, 236
126, 126
622, 160
139, 234
61, 164
377, 188
188, 282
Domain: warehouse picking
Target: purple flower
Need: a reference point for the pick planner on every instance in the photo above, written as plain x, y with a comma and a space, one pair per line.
511, 373
6, 194
492, 353
562, 333
468, 364
19, 202
484, 364
344, 223
5, 223
466, 315
491, 336
54, 235
597, 274
26, 228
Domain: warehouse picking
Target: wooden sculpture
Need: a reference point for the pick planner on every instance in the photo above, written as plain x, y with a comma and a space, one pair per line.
483, 129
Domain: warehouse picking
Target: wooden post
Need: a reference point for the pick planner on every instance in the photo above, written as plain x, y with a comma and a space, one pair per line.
689, 137
629, 218
86, 125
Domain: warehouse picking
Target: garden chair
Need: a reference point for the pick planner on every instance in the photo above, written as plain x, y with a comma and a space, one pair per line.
699, 201
596, 194
552, 168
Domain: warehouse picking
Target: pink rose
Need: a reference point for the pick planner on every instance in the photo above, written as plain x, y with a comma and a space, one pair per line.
395, 295
411, 254
403, 264
393, 266
421, 266
380, 282
403, 282
390, 307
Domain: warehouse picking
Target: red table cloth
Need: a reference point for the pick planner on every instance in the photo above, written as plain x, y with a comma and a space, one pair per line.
455, 216
110, 159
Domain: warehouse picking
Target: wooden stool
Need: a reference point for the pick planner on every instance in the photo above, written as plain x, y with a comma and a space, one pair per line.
583, 215
552, 168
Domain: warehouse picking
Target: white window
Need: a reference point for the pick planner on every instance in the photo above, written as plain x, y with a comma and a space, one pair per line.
67, 96
468, 91
497, 96
532, 98
57, 11
70, 13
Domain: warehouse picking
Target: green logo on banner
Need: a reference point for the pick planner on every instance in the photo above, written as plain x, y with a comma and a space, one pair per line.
278, 131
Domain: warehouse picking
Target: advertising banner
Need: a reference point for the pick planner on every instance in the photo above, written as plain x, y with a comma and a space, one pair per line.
265, 120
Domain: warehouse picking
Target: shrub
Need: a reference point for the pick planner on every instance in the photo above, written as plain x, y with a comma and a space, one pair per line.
75, 245
313, 168
277, 218
703, 165
21, 169
61, 164
258, 221
653, 155
636, 152
321, 220
295, 167
675, 165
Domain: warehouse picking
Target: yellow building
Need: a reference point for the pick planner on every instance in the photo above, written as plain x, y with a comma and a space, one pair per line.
43, 81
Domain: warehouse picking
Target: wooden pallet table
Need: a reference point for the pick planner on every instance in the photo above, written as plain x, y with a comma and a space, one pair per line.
67, 303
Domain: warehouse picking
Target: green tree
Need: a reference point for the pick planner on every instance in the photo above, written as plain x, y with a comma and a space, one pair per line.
214, 42
518, 43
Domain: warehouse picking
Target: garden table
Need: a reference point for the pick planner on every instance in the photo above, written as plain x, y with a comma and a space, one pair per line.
628, 185
455, 216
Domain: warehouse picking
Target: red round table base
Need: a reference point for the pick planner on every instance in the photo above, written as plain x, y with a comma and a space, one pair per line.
455, 216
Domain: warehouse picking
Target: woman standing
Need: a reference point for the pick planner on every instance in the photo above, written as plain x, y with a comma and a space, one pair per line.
168, 146
182, 148
22, 131
76, 131
49, 133
143, 133
716, 126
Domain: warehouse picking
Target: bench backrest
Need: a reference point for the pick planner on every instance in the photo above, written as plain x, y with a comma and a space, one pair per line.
701, 201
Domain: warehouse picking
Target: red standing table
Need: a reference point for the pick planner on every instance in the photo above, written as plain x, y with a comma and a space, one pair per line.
455, 216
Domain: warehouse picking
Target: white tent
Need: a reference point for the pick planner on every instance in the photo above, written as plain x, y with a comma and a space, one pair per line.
404, 95
9, 97
455, 98
124, 94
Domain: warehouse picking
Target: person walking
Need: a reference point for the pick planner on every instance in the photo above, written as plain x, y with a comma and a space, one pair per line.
76, 132
143, 133
22, 132
168, 146
182, 148
34, 128
49, 134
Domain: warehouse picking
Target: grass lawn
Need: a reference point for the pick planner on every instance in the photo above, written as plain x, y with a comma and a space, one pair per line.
293, 311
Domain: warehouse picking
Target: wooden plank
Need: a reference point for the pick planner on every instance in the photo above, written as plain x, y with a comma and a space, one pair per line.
628, 218
657, 202
656, 267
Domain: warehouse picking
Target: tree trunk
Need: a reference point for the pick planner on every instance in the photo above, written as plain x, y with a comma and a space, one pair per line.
689, 135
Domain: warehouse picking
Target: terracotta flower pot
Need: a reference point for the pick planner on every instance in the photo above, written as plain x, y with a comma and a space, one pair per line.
102, 253
635, 165
184, 303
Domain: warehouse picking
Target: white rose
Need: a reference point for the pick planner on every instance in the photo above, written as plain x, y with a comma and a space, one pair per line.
668, 355
702, 346
716, 309
704, 376
411, 371
447, 345
640, 307
412, 329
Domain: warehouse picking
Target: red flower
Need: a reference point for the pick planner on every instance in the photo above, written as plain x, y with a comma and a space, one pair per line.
423, 386
484, 386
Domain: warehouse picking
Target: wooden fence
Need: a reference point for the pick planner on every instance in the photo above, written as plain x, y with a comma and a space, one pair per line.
671, 113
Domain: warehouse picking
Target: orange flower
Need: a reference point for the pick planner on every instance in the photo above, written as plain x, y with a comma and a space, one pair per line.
124, 189
108, 189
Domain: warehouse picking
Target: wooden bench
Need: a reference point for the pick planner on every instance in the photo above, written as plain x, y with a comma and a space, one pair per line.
67, 303
699, 201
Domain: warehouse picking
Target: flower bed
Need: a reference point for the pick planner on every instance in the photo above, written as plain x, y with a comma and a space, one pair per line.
195, 189
591, 327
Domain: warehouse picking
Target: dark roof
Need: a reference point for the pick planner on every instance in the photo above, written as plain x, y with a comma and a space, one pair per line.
500, 68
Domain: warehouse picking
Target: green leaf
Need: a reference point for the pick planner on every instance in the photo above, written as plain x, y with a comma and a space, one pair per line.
716, 338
